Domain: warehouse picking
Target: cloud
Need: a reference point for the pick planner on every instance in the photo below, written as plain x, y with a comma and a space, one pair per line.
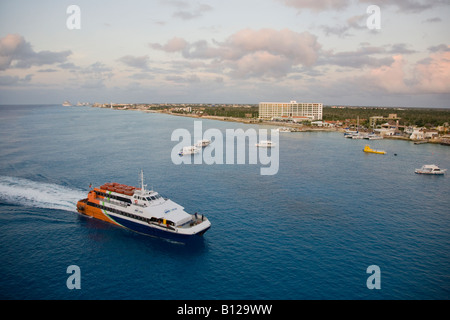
173, 45
194, 13
135, 62
366, 56
405, 6
428, 76
183, 79
441, 47
93, 76
186, 11
252, 53
400, 48
357, 22
14, 80
317, 5
15, 52
433, 74
409, 6
432, 20
389, 78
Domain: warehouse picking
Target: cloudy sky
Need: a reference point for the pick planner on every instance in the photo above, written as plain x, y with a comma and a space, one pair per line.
234, 51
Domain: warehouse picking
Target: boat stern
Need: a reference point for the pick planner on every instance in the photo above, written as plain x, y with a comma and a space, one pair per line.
197, 226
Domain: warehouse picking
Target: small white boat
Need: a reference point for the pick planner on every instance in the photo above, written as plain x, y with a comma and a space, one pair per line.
203, 143
265, 144
373, 136
284, 129
188, 150
430, 169
349, 133
358, 136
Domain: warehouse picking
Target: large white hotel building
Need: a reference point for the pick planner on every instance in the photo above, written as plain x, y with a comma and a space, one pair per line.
290, 110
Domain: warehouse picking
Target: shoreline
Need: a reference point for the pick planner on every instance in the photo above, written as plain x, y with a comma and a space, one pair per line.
295, 126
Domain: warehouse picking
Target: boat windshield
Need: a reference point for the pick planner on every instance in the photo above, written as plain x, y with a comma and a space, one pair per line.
153, 197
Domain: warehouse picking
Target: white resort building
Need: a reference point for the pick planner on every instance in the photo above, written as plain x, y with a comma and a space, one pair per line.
290, 110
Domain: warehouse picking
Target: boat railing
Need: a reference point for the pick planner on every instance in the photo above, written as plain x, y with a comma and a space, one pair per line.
197, 218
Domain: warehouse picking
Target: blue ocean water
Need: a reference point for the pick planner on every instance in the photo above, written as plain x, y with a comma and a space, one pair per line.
308, 232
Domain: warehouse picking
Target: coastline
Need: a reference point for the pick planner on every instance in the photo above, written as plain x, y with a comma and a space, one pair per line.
297, 127
294, 126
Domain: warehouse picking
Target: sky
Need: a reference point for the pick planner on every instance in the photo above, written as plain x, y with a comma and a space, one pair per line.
235, 51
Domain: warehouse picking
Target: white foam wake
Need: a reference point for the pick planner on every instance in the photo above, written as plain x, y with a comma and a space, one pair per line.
37, 194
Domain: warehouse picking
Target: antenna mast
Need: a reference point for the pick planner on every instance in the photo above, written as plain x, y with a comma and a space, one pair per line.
142, 182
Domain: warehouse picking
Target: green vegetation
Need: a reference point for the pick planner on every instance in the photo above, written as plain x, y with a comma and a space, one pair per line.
408, 117
411, 116
236, 111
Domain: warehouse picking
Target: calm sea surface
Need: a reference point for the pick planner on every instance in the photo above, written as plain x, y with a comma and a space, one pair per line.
308, 232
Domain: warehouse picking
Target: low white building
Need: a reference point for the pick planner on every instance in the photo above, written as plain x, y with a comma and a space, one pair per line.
417, 134
385, 131
431, 134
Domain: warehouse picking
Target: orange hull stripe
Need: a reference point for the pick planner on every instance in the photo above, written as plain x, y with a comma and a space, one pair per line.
98, 214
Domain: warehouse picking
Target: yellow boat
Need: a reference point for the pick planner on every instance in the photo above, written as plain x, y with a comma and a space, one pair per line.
369, 150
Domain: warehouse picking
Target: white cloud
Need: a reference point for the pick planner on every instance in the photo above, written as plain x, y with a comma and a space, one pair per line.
428, 76
15, 52
135, 62
252, 53
317, 5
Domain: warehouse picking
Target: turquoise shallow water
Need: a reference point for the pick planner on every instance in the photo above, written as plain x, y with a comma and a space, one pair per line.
308, 232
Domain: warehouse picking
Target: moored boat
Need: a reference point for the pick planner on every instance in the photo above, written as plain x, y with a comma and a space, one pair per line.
265, 144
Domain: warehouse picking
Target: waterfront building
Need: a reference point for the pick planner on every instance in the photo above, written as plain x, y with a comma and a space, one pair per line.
373, 120
290, 110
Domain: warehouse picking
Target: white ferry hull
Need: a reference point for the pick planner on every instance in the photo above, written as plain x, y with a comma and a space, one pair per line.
161, 231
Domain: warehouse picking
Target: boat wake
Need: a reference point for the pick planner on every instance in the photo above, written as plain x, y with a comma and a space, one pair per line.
29, 193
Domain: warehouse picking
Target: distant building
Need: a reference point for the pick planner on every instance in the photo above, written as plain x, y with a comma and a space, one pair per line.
373, 120
290, 110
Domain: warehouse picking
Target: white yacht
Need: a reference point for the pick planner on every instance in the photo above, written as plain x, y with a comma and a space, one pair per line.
430, 169
188, 150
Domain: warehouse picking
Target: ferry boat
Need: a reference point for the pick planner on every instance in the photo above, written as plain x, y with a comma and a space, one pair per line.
369, 150
67, 104
142, 211
265, 144
430, 169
